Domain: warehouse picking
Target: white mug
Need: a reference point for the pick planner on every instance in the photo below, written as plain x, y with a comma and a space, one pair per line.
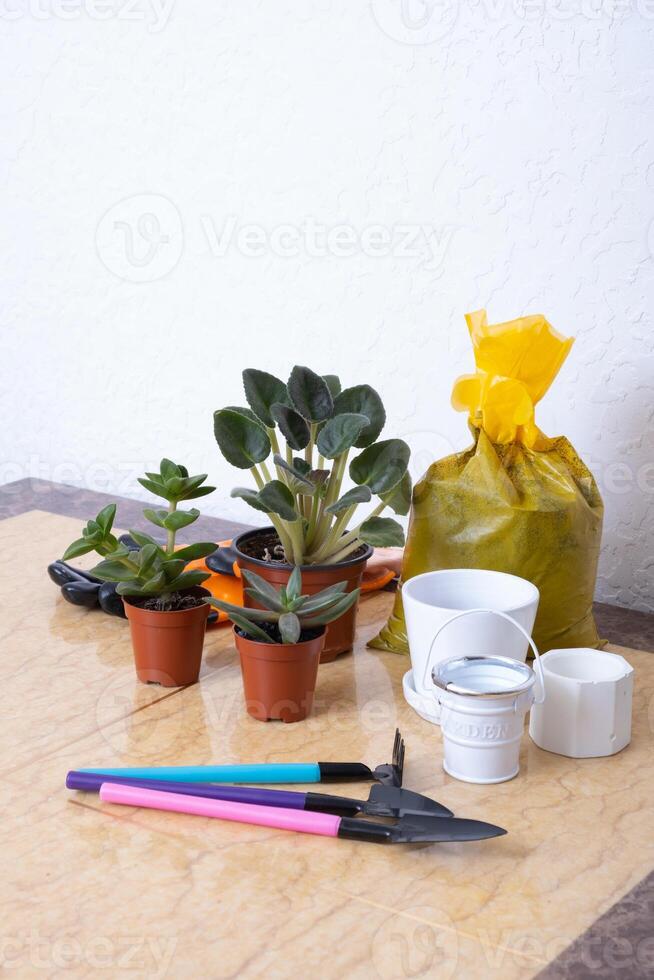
433, 598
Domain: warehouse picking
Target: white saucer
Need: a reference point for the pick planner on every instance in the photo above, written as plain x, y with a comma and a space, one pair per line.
427, 707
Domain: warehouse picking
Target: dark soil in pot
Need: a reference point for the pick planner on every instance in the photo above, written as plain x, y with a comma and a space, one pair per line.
279, 679
250, 546
168, 645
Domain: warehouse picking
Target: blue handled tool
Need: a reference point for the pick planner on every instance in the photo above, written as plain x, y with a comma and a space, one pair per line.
389, 774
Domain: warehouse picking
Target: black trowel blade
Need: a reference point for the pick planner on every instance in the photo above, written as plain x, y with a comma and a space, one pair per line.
396, 801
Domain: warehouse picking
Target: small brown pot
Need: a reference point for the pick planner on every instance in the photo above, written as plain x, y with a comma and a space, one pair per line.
168, 645
279, 678
340, 633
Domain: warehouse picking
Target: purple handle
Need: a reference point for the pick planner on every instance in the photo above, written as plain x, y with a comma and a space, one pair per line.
91, 782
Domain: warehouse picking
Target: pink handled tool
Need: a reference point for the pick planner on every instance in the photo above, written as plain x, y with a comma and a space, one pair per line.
264, 816
405, 830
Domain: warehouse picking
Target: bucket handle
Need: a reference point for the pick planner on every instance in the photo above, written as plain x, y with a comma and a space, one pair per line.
493, 612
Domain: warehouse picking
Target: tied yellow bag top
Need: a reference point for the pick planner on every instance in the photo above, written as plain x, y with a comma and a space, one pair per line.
516, 501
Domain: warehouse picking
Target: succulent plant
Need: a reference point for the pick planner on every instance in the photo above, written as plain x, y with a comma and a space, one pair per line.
320, 424
153, 570
286, 607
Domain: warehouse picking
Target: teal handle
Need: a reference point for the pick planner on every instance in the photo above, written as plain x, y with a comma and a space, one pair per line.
269, 772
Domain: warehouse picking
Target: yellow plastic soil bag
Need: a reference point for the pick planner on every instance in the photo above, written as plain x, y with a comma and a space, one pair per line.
515, 501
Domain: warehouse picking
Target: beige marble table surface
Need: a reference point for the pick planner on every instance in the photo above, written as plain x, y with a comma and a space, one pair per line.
91, 888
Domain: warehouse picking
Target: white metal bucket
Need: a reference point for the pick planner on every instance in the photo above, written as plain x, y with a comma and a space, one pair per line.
483, 702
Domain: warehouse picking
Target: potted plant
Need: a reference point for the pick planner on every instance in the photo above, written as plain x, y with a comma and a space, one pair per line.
280, 642
163, 603
301, 491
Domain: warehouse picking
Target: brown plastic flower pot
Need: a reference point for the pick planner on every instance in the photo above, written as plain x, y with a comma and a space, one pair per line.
168, 645
340, 633
279, 679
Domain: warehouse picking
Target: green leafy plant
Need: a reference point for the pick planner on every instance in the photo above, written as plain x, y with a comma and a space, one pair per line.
320, 424
286, 607
153, 570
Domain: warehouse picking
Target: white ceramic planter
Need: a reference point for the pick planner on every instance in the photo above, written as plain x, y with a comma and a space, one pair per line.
588, 708
432, 599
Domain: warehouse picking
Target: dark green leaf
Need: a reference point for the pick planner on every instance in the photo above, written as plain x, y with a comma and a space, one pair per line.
251, 630
143, 539
262, 390
333, 383
334, 612
295, 473
105, 518
199, 492
158, 489
242, 441
310, 394
293, 427
146, 557
340, 433
130, 588
168, 469
250, 496
382, 532
180, 518
187, 580
191, 552
157, 583
289, 627
399, 498
278, 499
357, 495
294, 584
382, 465
173, 567
363, 400
80, 547
268, 603
301, 465
242, 410
155, 516
256, 615
113, 571
318, 604
259, 583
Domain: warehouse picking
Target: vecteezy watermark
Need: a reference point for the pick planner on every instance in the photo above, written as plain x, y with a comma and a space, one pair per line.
143, 956
154, 13
314, 239
416, 21
415, 943
141, 238
419, 22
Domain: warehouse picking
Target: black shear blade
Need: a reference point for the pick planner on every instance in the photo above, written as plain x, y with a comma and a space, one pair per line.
395, 801
444, 830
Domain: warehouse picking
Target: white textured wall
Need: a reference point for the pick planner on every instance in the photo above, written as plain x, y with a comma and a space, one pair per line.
513, 140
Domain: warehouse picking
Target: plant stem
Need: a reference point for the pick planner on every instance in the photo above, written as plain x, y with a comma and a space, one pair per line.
308, 452
352, 536
277, 522
333, 489
170, 542
258, 479
344, 552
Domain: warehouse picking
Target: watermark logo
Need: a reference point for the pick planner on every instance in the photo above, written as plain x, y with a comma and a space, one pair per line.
314, 239
416, 943
416, 21
154, 13
141, 238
